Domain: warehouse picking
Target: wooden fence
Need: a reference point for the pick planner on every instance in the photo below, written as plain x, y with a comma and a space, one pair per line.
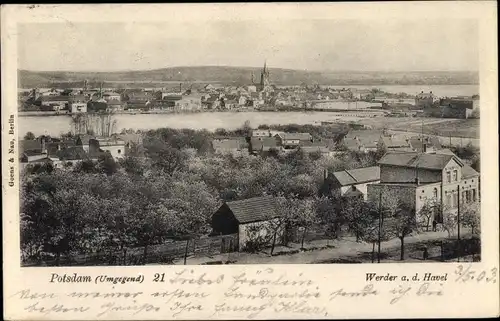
165, 253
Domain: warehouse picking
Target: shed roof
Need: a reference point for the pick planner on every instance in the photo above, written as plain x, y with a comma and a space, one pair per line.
254, 209
358, 175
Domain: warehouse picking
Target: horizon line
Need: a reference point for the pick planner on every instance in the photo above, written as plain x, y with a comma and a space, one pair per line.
245, 67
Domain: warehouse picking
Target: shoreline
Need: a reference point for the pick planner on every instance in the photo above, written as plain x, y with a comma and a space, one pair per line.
162, 112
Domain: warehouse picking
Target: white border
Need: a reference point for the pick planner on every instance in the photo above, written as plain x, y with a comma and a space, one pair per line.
459, 300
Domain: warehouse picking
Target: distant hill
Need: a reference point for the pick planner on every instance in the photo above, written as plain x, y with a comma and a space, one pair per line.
241, 76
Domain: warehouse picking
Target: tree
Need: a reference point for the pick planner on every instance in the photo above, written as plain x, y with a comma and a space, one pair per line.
427, 212
357, 215
402, 224
246, 129
470, 216
330, 215
29, 136
106, 164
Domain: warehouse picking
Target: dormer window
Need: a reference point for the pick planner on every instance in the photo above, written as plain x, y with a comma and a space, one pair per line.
455, 175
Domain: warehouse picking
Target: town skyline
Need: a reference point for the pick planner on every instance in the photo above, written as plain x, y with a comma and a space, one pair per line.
308, 44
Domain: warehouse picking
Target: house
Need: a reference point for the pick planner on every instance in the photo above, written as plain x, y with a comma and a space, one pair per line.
292, 140
35, 146
189, 102
251, 88
242, 100
419, 178
230, 104
257, 215
168, 100
319, 146
394, 143
362, 140
264, 144
425, 144
114, 105
72, 154
113, 145
212, 102
458, 107
54, 103
352, 182
230, 145
423, 100
78, 104
111, 96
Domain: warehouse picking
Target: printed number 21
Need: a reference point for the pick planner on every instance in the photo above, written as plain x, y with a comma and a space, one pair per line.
159, 277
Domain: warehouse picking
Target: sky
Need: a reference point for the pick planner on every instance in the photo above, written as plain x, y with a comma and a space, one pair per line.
320, 45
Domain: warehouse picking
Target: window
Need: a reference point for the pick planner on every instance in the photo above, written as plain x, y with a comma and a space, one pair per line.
455, 175
455, 199
448, 177
119, 151
473, 195
448, 200
435, 193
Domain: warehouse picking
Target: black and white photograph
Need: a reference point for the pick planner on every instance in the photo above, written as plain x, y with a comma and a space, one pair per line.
257, 141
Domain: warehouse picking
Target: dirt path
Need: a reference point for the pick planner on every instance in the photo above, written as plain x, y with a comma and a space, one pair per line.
343, 249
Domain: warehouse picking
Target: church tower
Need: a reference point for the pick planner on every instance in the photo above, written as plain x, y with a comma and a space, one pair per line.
264, 77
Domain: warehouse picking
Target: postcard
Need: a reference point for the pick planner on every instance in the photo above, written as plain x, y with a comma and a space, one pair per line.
250, 161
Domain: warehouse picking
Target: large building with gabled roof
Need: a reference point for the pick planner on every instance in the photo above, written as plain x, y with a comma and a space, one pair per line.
417, 179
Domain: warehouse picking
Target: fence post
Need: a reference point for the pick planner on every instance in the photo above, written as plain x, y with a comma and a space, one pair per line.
186, 252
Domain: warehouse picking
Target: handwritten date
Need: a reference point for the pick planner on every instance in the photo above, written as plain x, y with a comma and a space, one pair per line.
469, 274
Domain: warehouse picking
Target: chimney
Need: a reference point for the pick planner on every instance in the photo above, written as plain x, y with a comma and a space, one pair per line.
417, 181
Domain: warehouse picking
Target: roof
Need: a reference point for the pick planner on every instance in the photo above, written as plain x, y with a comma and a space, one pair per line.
232, 143
395, 141
417, 143
358, 175
77, 98
414, 160
254, 209
295, 136
468, 172
367, 138
30, 145
352, 144
425, 95
55, 98
263, 143
72, 153
445, 151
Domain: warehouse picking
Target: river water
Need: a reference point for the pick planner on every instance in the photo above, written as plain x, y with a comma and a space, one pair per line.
55, 125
